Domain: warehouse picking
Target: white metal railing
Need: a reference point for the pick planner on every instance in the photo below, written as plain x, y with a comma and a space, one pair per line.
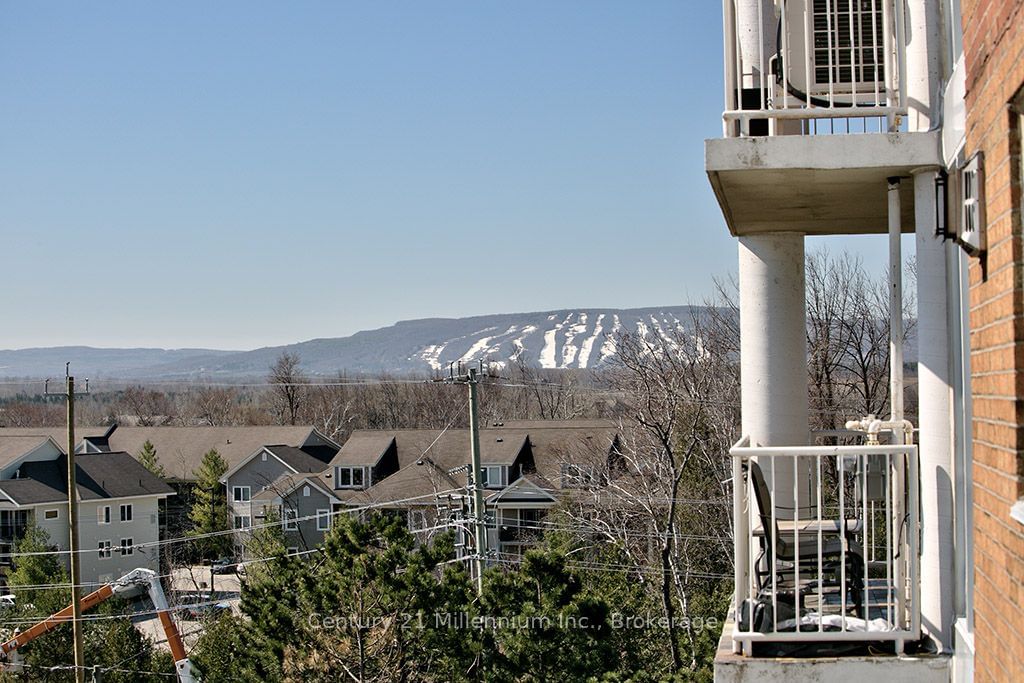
826, 544
813, 66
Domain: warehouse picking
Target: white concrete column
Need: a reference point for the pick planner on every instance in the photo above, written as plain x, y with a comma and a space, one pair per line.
773, 345
755, 32
924, 48
935, 419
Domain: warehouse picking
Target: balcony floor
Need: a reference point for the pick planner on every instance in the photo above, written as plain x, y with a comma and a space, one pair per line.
734, 668
816, 184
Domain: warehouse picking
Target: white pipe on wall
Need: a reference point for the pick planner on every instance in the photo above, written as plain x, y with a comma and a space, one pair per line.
895, 303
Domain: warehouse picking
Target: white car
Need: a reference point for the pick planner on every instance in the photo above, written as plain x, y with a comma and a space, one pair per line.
7, 601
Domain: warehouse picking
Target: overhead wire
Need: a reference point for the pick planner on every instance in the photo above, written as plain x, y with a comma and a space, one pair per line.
228, 532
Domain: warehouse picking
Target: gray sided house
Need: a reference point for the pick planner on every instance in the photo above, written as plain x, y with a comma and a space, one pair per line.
420, 474
180, 452
304, 505
527, 467
118, 505
271, 468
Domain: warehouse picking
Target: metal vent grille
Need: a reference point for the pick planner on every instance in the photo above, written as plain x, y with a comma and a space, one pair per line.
851, 31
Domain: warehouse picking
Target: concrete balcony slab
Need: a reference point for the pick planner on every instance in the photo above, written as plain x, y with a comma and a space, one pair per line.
735, 668
816, 184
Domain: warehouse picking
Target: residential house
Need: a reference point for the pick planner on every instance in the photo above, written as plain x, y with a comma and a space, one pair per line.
304, 503
275, 468
420, 474
118, 505
180, 452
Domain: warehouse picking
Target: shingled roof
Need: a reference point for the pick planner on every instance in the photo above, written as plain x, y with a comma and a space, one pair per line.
304, 460
99, 476
13, 446
550, 442
450, 447
181, 449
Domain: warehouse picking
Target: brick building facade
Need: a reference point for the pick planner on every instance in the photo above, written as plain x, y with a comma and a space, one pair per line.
993, 38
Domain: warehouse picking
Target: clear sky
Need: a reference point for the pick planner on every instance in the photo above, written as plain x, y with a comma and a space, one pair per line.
241, 174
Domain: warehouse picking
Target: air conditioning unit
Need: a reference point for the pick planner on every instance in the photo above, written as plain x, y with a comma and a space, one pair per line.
839, 43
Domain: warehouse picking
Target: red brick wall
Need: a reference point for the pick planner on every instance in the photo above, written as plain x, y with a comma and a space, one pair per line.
994, 58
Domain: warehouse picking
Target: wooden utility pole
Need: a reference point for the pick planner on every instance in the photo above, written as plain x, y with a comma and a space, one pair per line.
473, 483
76, 609
479, 521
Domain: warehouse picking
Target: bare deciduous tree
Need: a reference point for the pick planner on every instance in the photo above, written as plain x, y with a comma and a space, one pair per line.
289, 390
848, 339
145, 407
662, 502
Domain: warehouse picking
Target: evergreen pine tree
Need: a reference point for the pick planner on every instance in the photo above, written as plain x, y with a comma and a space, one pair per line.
149, 459
209, 512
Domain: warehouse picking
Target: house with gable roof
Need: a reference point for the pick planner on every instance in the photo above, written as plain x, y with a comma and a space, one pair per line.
271, 472
180, 451
118, 505
420, 475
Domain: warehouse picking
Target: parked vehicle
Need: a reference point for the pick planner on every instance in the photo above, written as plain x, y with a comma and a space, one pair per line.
224, 565
202, 610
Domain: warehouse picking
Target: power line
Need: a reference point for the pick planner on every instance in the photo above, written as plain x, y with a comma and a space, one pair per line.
86, 669
225, 532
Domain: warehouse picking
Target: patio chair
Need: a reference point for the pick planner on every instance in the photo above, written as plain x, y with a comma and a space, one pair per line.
835, 544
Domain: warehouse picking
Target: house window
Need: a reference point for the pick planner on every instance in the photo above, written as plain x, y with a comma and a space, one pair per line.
293, 550
492, 476
417, 520
291, 521
531, 518
348, 477
241, 494
127, 546
51, 514
577, 476
263, 456
323, 520
305, 492
126, 512
104, 550
242, 521
103, 514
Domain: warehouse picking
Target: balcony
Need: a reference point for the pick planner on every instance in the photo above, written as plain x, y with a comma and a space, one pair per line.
815, 117
814, 67
826, 545
826, 563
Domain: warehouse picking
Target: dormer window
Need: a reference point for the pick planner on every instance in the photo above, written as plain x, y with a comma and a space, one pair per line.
494, 476
349, 477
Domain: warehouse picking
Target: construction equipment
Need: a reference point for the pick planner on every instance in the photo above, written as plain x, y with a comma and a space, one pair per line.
135, 581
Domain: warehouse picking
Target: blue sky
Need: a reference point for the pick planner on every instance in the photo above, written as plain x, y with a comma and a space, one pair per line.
234, 175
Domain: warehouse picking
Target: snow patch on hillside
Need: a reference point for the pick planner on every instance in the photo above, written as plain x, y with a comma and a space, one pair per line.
547, 353
570, 349
431, 355
483, 347
588, 343
608, 348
